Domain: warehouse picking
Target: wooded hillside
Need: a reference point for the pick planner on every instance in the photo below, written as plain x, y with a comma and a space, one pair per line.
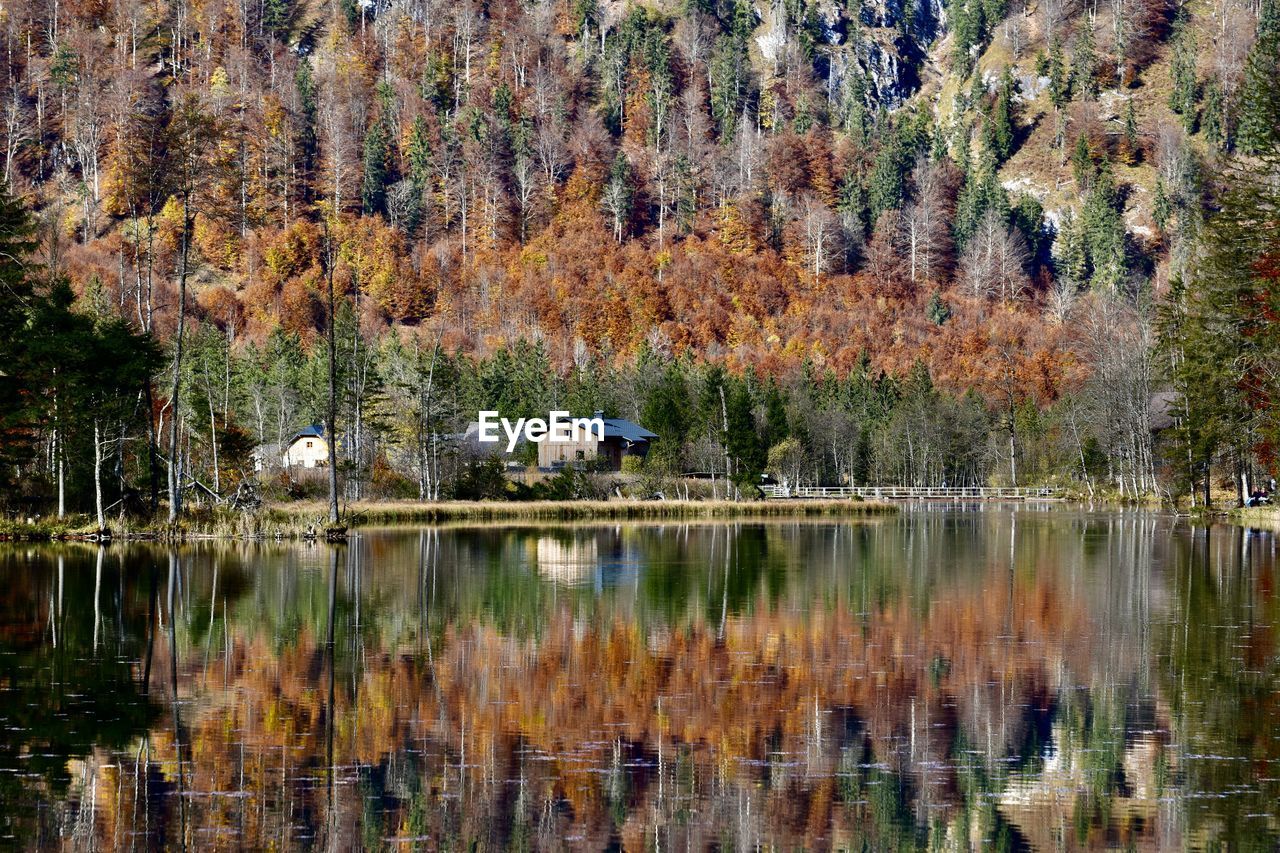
995, 193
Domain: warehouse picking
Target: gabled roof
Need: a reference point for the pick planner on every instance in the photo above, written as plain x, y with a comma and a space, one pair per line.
313, 431
627, 431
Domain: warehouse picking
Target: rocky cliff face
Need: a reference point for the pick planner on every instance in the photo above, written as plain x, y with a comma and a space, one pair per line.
883, 41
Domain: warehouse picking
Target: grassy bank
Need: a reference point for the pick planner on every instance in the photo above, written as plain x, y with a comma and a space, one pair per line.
1264, 517
301, 518
397, 512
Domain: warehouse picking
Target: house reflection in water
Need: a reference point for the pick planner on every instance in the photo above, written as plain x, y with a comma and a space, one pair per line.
599, 558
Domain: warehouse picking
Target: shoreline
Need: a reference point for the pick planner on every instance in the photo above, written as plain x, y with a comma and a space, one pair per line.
305, 519
1260, 517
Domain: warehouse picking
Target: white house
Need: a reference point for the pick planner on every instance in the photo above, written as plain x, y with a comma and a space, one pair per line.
307, 449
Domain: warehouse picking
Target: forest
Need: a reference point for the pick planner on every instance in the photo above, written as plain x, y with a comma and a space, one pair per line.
969, 242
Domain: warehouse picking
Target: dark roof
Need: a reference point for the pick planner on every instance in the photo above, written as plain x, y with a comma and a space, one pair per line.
313, 431
627, 431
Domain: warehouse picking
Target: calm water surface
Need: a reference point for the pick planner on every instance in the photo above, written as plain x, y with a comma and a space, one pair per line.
998, 678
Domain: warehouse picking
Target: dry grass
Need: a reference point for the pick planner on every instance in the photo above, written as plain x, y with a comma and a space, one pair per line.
1261, 517
393, 512
299, 518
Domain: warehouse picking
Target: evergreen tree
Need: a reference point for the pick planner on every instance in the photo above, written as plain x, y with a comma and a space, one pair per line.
1129, 139
1082, 168
729, 82
373, 190
1073, 253
1104, 232
275, 17
308, 138
938, 311
1028, 218
419, 154
1259, 97
887, 186
666, 412
776, 424
1225, 345
1084, 64
1059, 77
980, 192
20, 395
741, 440
1215, 122
1002, 119
854, 106
1185, 93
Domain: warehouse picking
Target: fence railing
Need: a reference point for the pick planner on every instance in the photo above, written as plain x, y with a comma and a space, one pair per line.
911, 493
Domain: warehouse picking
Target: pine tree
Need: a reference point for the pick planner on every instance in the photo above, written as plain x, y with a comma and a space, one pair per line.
886, 186
1028, 218
1084, 64
1182, 100
1129, 139
275, 17
741, 440
1259, 97
1073, 253
666, 412
1082, 168
1105, 232
308, 138
1161, 208
938, 311
1215, 122
18, 394
419, 153
776, 425
373, 190
1002, 128
1226, 343
854, 111
1059, 77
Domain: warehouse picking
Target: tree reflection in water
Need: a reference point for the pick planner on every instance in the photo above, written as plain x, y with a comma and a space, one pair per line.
946, 679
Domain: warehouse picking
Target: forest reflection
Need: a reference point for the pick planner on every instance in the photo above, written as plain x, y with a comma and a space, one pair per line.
948, 679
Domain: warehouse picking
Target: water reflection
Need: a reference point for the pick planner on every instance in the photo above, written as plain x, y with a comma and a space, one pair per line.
949, 679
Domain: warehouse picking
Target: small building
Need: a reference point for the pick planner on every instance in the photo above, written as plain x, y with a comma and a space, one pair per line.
265, 457
307, 449
622, 438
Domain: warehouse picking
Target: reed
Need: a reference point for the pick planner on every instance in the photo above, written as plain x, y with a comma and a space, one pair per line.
393, 512
1261, 517
307, 518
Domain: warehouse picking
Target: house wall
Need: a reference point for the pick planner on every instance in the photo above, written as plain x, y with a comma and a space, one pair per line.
307, 452
554, 454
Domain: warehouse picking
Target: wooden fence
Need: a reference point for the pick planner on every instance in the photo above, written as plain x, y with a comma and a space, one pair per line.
915, 493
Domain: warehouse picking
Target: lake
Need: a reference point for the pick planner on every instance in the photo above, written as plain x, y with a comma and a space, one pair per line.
998, 677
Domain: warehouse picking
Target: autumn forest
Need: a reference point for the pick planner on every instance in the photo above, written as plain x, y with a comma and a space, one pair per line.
959, 243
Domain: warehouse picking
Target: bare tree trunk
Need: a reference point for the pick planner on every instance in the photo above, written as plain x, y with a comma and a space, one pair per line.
58, 459
333, 382
724, 416
213, 441
97, 475
175, 486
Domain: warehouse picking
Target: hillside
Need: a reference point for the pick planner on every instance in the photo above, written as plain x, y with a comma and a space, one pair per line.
987, 195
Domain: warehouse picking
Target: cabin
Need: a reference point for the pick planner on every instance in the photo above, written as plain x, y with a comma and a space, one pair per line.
307, 449
622, 438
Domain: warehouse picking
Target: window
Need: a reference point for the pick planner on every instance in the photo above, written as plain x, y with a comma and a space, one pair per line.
310, 444
579, 454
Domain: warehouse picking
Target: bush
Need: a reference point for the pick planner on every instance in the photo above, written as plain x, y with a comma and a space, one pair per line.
571, 484
483, 479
